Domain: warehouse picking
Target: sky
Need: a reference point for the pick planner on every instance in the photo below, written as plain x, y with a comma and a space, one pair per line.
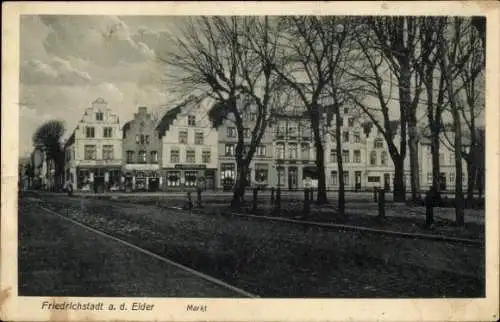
66, 62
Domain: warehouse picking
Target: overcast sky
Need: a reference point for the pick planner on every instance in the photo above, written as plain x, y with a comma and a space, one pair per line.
69, 61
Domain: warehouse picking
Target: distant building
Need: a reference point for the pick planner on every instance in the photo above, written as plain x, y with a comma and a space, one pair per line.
94, 150
141, 152
189, 148
260, 170
294, 152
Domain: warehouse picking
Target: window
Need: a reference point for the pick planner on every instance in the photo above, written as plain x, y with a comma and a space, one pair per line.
227, 173
305, 151
137, 139
173, 178
174, 156
441, 158
190, 156
183, 137
346, 177
292, 151
383, 158
452, 177
451, 159
198, 138
108, 132
334, 178
90, 152
261, 172
191, 120
141, 157
205, 157
357, 156
147, 139
154, 156
373, 179
373, 158
345, 136
292, 130
346, 110
464, 178
281, 128
231, 132
190, 178
107, 152
261, 151
229, 150
357, 137
281, 175
429, 177
253, 116
130, 156
90, 132
333, 137
246, 132
280, 151
99, 116
333, 155
345, 156
350, 121
378, 144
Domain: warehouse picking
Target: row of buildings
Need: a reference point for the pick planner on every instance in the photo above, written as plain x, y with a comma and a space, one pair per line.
182, 149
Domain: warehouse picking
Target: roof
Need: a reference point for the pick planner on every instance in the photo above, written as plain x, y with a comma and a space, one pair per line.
126, 127
70, 140
168, 119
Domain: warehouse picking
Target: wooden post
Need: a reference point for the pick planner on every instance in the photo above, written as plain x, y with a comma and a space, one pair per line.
375, 193
381, 203
198, 197
429, 207
306, 200
278, 200
189, 202
254, 204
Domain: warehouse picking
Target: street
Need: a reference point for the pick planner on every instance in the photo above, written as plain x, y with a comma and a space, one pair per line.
266, 259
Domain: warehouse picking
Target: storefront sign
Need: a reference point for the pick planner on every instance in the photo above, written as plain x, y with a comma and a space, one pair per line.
191, 166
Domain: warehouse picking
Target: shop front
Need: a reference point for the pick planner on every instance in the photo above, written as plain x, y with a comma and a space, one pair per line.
141, 177
98, 179
189, 176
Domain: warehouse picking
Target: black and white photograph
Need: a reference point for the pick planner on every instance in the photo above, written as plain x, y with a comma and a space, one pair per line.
252, 156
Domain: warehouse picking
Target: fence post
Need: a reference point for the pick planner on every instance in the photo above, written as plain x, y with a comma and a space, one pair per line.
272, 195
375, 194
311, 196
198, 196
381, 203
254, 205
306, 200
189, 202
278, 199
429, 207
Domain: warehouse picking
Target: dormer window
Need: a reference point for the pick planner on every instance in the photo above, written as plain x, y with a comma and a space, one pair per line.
99, 116
191, 120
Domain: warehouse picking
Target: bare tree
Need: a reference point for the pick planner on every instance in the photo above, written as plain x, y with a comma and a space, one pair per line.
49, 137
375, 80
216, 57
427, 67
454, 56
398, 41
310, 46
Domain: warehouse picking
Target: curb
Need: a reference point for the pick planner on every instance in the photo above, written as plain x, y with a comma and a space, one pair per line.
441, 238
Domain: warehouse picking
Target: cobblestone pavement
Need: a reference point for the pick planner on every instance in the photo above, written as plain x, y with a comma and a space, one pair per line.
277, 260
58, 258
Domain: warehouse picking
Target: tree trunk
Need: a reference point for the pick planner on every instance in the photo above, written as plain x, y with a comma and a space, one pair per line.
240, 184
471, 180
435, 165
320, 156
399, 185
340, 162
414, 166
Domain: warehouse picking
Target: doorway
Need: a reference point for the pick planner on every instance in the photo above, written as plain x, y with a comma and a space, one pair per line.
387, 182
357, 181
292, 178
442, 181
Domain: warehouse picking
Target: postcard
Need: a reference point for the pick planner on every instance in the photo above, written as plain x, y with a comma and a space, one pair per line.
250, 161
